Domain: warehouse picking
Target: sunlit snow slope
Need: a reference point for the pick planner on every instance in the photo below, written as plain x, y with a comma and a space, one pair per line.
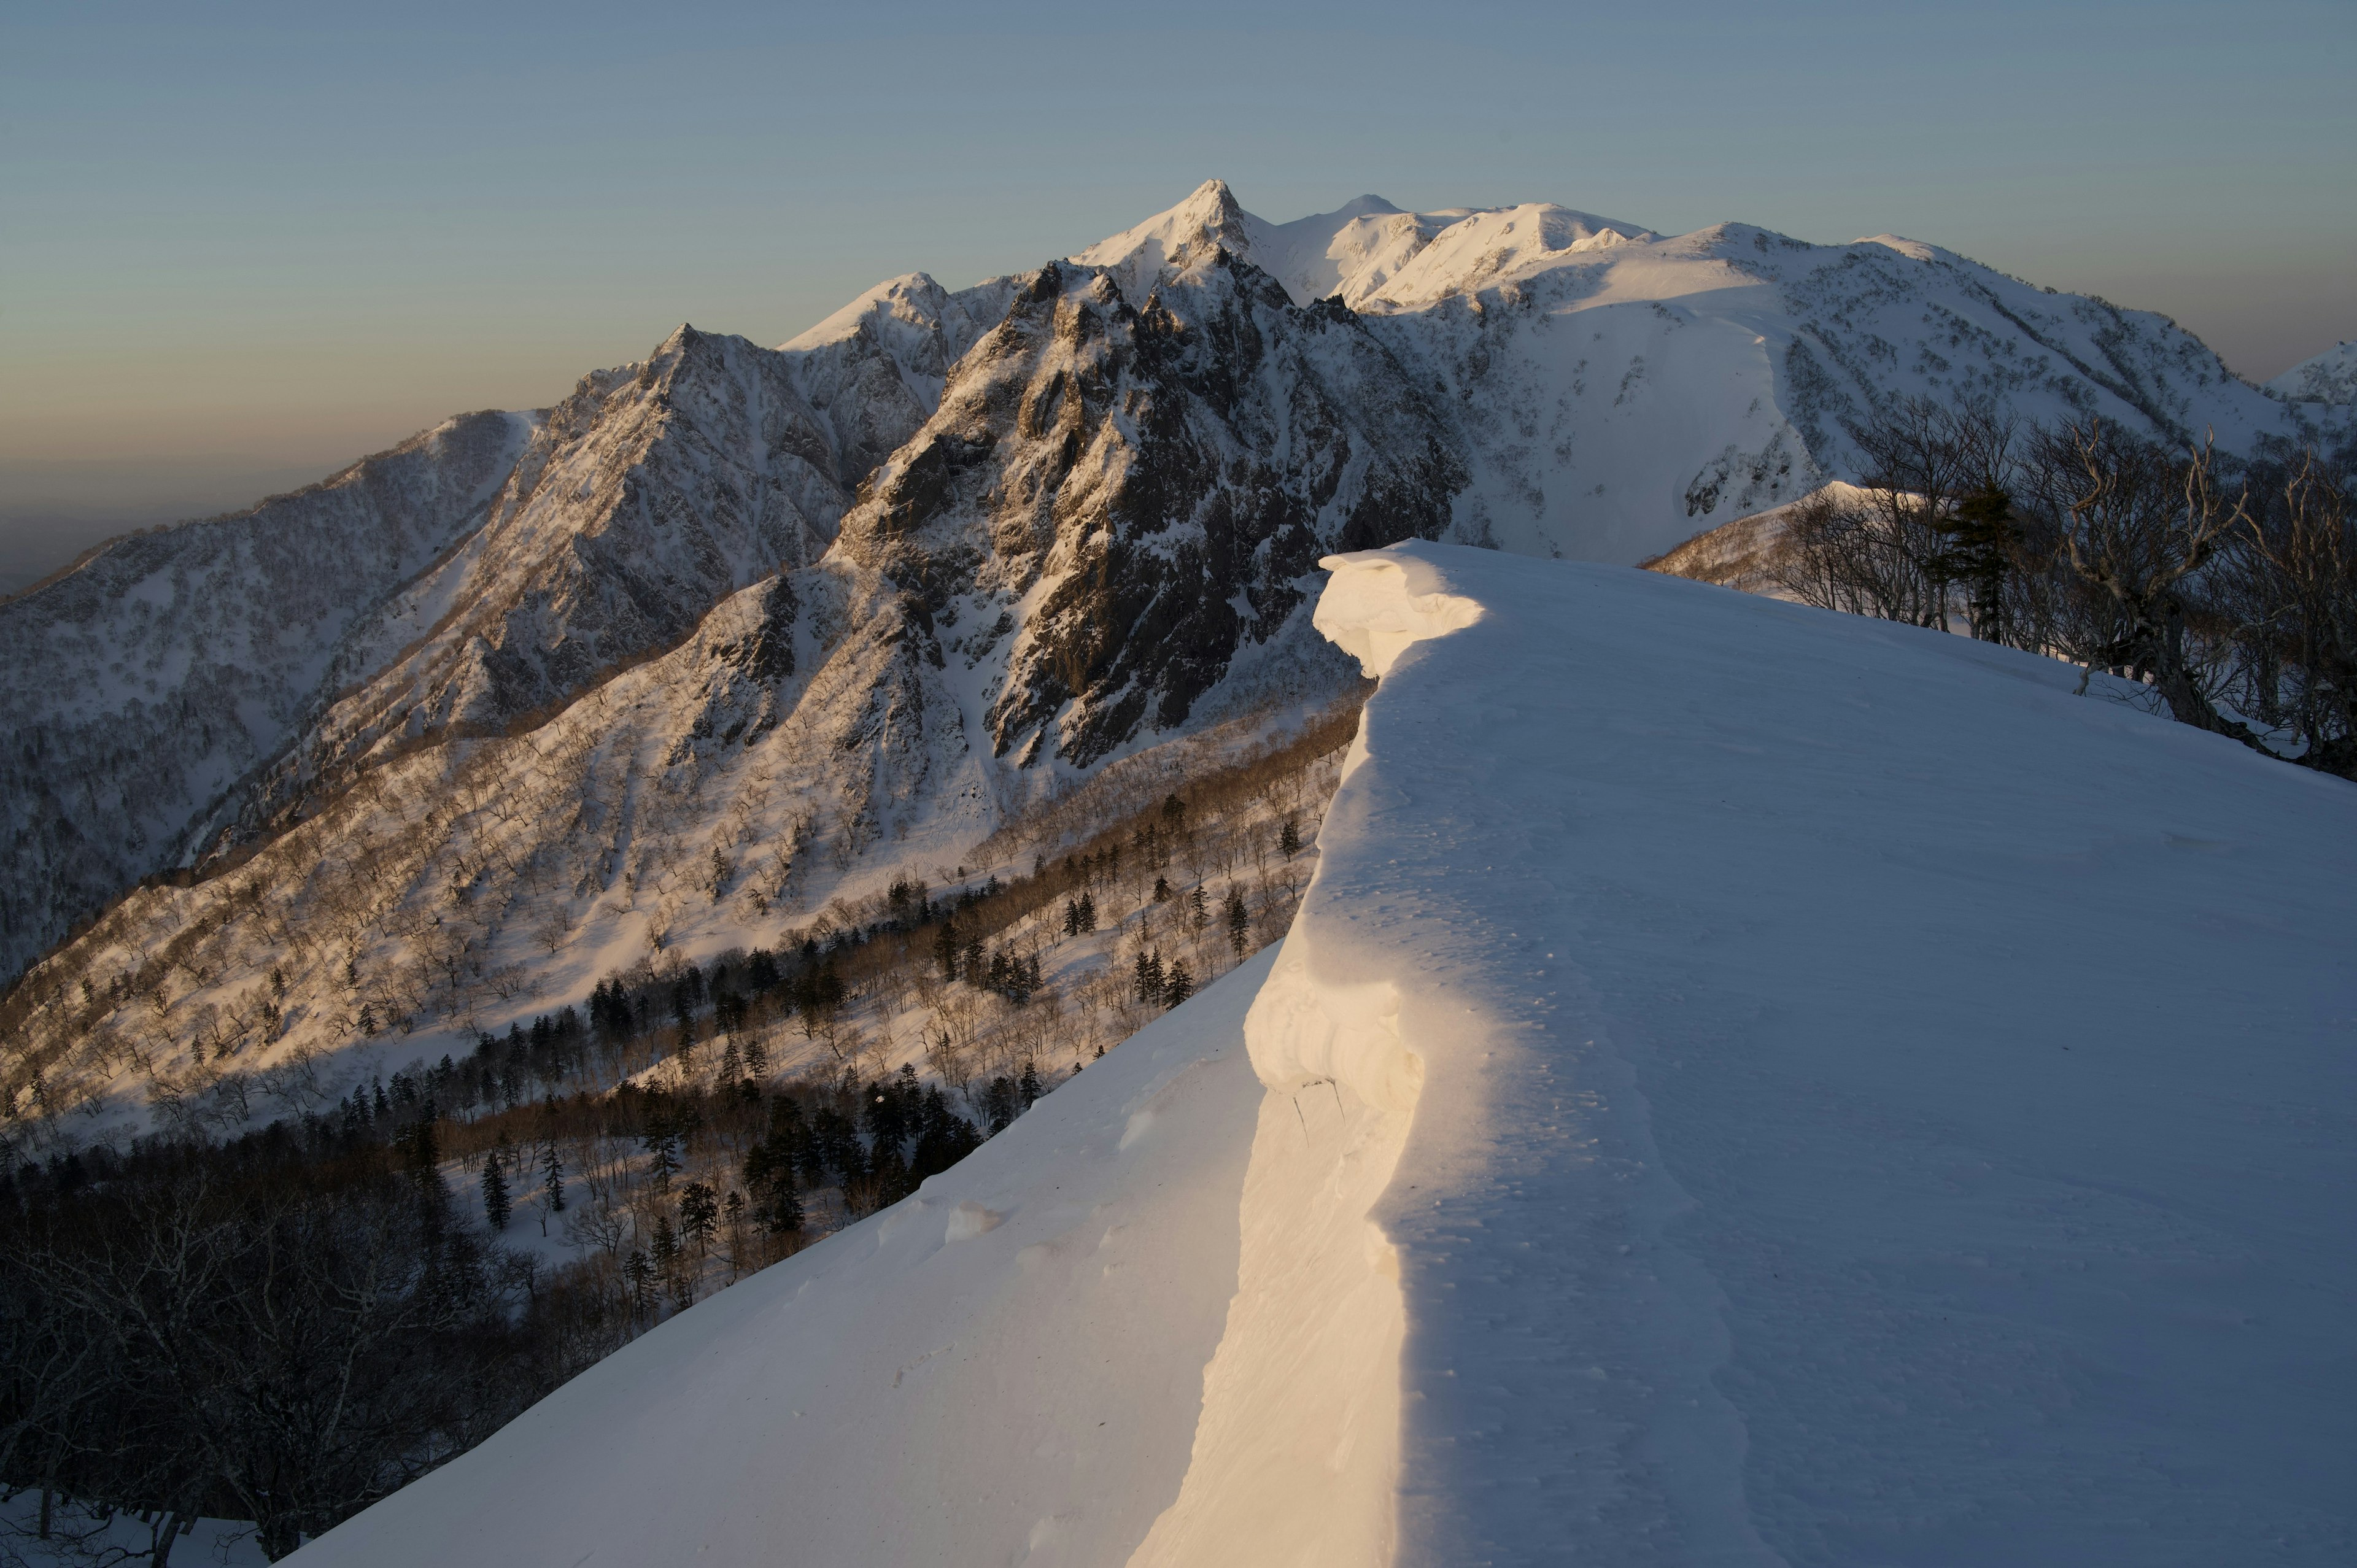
1747, 1085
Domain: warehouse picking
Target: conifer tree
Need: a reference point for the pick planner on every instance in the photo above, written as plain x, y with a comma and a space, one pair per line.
699, 1213
666, 1246
496, 1204
639, 1274
1000, 1105
1288, 839
1026, 1087
1239, 922
552, 1175
661, 1142
1176, 984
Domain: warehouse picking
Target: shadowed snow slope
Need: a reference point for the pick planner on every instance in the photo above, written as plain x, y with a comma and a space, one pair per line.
1003, 1368
1746, 1085
1874, 1106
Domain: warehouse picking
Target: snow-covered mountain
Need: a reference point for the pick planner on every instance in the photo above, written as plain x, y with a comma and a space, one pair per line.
140, 688
1746, 1085
220, 675
847, 601
2329, 378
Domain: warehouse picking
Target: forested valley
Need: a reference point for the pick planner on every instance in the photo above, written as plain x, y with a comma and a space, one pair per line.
283, 1326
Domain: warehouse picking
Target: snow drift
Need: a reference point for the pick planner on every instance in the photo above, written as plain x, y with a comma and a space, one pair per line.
1746, 1085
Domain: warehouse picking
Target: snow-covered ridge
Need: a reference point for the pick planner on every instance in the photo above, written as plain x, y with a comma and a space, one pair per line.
2330, 378
1637, 1161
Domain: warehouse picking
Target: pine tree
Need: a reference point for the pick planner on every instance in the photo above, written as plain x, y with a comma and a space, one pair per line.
699, 1213
1026, 1087
496, 1205
1088, 912
1176, 984
946, 950
1288, 839
999, 1105
665, 1245
1980, 534
552, 1175
661, 1142
1239, 922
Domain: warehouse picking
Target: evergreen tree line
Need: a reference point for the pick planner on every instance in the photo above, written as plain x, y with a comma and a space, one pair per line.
288, 1326
2226, 587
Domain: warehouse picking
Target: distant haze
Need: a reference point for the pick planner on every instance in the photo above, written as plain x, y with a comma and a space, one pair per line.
249, 244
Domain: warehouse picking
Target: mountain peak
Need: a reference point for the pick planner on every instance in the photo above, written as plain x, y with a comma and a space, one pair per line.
1210, 216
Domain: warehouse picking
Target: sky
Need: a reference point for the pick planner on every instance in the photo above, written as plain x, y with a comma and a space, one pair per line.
244, 245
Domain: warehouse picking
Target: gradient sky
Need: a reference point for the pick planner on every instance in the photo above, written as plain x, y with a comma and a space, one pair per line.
242, 245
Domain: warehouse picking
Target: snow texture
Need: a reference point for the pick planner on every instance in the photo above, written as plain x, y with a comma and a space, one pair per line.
1746, 1085
1005, 1368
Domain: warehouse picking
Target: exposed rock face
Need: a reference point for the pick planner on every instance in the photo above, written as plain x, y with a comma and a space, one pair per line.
1131, 497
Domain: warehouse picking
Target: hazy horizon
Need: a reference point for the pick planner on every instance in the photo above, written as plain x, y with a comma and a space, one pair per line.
248, 251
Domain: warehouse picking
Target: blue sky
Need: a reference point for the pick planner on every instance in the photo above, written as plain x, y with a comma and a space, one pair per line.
243, 242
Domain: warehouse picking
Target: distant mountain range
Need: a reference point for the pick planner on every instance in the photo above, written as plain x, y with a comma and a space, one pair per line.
862, 594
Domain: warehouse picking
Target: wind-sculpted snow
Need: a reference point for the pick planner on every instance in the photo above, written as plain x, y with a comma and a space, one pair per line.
1868, 1103
142, 684
1747, 1084
1004, 1369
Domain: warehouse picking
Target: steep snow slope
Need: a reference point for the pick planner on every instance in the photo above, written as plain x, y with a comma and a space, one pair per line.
142, 684
1747, 1085
1004, 1369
